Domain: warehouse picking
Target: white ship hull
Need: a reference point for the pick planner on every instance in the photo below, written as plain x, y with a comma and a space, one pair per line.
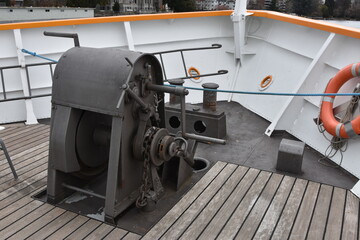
301, 55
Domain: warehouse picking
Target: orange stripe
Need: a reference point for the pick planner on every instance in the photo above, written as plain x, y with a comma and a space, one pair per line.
316, 24
127, 18
321, 25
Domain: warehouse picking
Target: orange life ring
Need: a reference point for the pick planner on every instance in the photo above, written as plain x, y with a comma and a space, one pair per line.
331, 125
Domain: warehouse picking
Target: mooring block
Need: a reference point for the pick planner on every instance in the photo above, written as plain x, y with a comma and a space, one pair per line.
290, 156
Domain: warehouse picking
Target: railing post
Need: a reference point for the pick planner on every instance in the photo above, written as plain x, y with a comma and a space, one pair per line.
30, 116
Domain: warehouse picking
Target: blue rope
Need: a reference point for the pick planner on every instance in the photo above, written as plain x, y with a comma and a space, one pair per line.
271, 93
37, 55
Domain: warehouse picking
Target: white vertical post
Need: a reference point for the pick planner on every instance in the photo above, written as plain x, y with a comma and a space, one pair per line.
238, 18
30, 116
129, 36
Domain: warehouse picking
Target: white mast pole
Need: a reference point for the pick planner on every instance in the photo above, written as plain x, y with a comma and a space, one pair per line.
238, 18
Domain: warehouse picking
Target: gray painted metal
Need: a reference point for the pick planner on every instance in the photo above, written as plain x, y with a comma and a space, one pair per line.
104, 101
200, 121
290, 156
3, 148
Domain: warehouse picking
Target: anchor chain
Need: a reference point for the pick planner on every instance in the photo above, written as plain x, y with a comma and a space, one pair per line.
145, 187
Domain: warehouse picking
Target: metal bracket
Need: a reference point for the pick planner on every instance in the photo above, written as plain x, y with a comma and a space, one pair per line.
65, 35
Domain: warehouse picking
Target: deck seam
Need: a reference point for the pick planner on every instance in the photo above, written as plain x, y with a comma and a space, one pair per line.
33, 220
77, 228
3, 186
30, 155
92, 230
24, 189
21, 186
328, 213
343, 215
25, 138
45, 225
282, 210
267, 208
297, 212
192, 221
313, 212
246, 192
257, 199
1, 229
224, 201
222, 169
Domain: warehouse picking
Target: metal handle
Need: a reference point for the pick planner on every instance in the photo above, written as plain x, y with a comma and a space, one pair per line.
65, 35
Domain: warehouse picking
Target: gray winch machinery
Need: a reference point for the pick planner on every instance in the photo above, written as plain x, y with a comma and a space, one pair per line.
108, 127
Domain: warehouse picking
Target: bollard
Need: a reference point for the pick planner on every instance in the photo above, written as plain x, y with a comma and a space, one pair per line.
174, 99
209, 97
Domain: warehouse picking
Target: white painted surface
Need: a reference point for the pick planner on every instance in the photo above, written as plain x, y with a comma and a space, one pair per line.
356, 189
300, 59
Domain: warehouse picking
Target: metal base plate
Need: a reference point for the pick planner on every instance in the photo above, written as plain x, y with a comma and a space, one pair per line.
132, 219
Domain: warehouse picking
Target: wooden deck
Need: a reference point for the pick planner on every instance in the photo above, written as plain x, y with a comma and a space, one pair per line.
229, 202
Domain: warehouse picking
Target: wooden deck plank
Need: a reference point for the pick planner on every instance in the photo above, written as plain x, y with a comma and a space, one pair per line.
272, 215
22, 149
26, 140
10, 132
351, 218
24, 221
288, 215
303, 218
15, 206
214, 205
15, 134
25, 168
160, 228
68, 228
37, 224
100, 232
248, 230
23, 192
223, 206
53, 226
84, 230
21, 167
23, 185
335, 219
9, 129
39, 166
131, 236
18, 213
233, 225
115, 234
14, 138
24, 154
26, 157
16, 141
192, 212
219, 220
24, 145
318, 222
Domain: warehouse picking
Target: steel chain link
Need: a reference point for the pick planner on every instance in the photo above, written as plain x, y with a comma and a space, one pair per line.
145, 187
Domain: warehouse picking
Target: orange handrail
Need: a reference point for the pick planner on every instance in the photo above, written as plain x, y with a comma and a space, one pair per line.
127, 18
316, 24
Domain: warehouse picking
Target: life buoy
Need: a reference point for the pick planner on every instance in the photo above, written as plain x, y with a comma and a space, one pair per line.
331, 125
